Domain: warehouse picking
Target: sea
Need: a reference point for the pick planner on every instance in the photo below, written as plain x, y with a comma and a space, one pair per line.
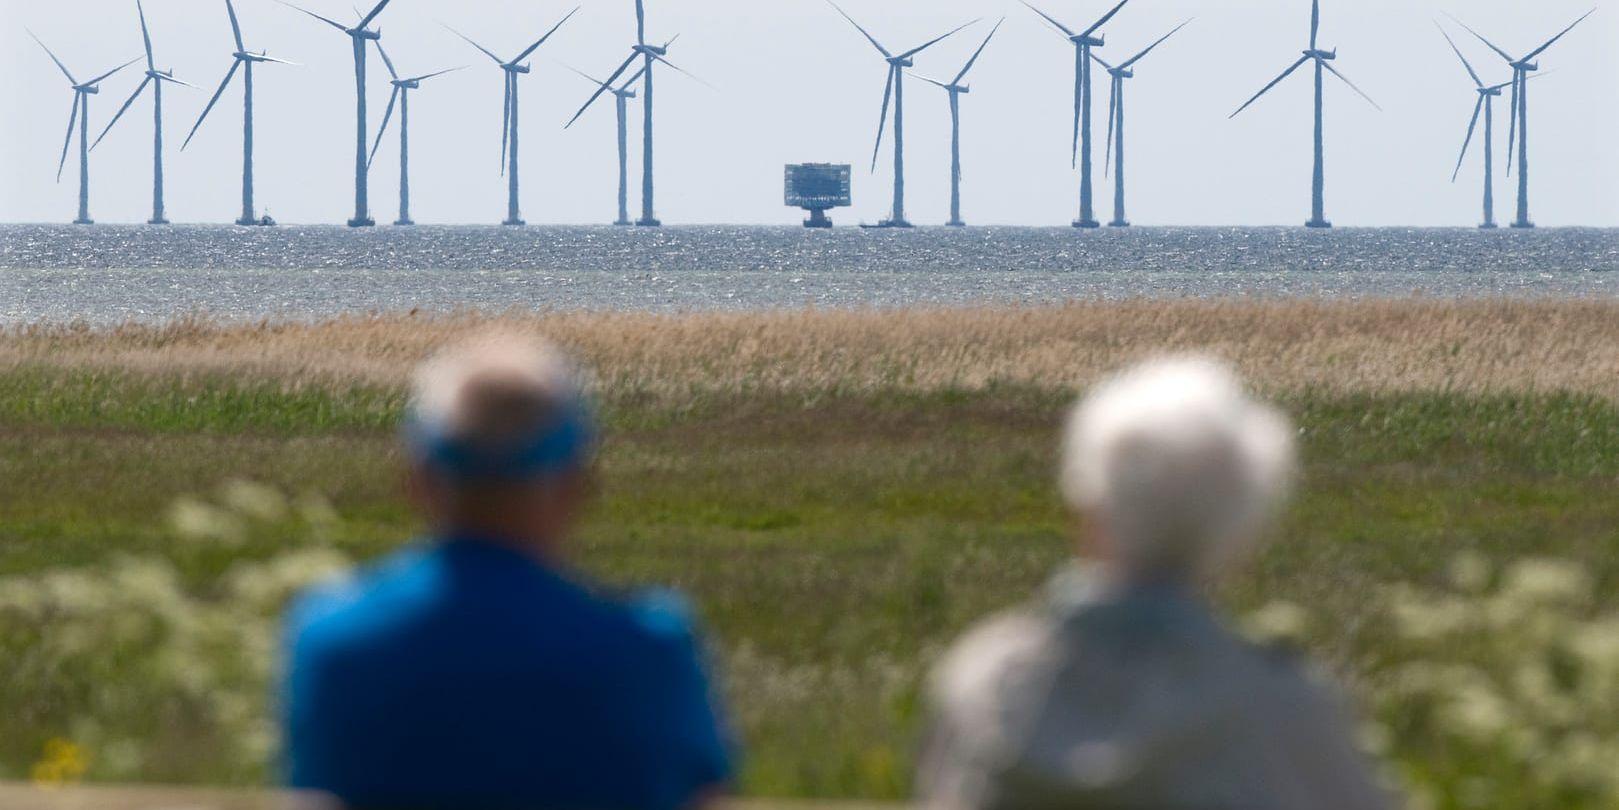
113, 274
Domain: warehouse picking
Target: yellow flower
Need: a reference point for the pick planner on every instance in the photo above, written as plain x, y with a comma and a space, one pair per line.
63, 763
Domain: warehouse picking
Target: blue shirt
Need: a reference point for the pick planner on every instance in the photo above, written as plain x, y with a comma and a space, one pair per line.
467, 675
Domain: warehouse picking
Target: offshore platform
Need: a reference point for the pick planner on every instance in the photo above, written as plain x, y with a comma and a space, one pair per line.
817, 187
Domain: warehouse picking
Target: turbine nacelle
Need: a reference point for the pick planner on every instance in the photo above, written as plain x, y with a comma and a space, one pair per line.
1082, 39
91, 89
510, 68
365, 33
900, 62
408, 84
1489, 91
1326, 56
1122, 73
1526, 66
651, 50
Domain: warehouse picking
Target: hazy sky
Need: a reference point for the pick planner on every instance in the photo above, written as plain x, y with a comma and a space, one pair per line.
796, 83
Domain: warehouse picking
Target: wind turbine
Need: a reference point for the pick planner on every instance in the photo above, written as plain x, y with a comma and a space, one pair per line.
358, 34
1521, 68
955, 89
244, 62
1115, 123
622, 95
509, 117
82, 91
401, 96
1323, 62
648, 54
1084, 42
894, 91
154, 79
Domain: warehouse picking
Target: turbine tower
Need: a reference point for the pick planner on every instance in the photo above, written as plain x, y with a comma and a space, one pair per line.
401, 96
622, 95
80, 116
1323, 63
894, 91
243, 61
1084, 43
154, 79
1114, 145
509, 118
1521, 68
358, 35
955, 89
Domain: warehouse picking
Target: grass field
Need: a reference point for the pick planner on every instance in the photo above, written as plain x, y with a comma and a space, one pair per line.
841, 494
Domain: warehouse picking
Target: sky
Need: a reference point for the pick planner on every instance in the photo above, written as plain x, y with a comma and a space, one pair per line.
793, 82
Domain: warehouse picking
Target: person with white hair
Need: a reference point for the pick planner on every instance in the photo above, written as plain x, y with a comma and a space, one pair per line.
1118, 687
478, 670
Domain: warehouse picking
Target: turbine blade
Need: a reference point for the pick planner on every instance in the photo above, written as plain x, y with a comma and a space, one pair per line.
121, 111
670, 41
603, 88
333, 23
632, 80
263, 58
1105, 17
1471, 125
229, 74
1079, 99
374, 12
640, 23
486, 51
164, 77
1345, 79
690, 74
882, 122
1267, 89
1138, 57
435, 74
146, 36
592, 79
1112, 116
541, 41
1491, 45
930, 43
874, 42
383, 130
978, 53
1550, 42
71, 121
1465, 63
65, 71
386, 62
1512, 131
930, 81
1065, 30
98, 79
505, 121
235, 25
1315, 22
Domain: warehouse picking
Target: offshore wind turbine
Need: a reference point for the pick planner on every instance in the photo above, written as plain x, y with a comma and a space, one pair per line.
154, 79
621, 95
1521, 68
894, 91
1114, 145
82, 91
243, 61
513, 68
1084, 44
358, 35
955, 89
1486, 105
1323, 63
401, 96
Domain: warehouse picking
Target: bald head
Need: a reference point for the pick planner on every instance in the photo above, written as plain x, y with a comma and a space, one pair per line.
500, 438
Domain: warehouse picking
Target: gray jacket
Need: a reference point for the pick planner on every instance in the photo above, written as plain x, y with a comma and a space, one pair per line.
1139, 698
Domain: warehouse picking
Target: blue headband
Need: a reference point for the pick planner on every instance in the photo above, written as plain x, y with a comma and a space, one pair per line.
558, 446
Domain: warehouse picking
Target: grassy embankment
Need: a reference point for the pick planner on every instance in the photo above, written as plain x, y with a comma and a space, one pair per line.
840, 493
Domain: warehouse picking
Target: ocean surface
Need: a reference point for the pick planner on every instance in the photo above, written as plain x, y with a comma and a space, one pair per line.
107, 274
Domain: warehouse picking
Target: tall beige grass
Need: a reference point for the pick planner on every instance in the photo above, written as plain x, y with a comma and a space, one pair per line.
1371, 346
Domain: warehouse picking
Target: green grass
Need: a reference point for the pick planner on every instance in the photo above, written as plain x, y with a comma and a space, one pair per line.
833, 544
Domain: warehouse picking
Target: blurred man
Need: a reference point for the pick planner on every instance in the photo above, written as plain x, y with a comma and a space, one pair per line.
477, 670
1118, 687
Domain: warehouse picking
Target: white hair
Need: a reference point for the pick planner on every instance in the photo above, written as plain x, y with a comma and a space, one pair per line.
492, 388
1178, 464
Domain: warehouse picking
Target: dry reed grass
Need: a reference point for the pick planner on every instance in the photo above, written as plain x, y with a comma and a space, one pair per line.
1284, 346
